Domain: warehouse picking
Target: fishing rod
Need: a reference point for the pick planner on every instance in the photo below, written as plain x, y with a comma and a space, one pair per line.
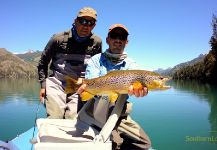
33, 140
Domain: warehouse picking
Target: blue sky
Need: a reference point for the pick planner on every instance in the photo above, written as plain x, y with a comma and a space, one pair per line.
163, 33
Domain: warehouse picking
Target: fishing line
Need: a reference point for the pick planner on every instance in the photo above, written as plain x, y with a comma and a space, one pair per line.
33, 141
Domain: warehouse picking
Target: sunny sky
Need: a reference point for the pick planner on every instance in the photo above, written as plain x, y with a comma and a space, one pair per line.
163, 33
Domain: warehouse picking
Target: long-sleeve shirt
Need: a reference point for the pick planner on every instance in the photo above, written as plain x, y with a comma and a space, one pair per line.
98, 65
67, 56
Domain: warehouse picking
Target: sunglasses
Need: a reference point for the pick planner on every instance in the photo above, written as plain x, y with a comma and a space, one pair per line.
122, 37
86, 22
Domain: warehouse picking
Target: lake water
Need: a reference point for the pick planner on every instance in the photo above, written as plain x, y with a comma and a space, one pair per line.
183, 117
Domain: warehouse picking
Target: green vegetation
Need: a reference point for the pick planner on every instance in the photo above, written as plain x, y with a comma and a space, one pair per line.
205, 70
171, 71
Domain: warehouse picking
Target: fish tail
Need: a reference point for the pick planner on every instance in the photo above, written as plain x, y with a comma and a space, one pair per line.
71, 85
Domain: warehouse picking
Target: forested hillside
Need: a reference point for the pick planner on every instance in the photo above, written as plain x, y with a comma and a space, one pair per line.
205, 70
171, 71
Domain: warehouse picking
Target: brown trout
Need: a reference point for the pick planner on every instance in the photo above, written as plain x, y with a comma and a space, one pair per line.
117, 82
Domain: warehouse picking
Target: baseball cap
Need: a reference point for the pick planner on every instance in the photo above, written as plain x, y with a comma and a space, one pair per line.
114, 26
87, 11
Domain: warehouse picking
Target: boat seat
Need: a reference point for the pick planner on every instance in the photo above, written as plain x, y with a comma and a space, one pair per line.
91, 129
64, 131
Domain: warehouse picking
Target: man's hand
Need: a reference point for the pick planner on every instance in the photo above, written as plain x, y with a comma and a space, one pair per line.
79, 81
138, 92
81, 89
42, 94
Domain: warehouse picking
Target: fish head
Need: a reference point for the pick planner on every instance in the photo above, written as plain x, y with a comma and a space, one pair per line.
155, 81
160, 84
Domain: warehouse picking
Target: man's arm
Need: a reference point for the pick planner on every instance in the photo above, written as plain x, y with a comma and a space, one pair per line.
93, 68
138, 92
93, 71
43, 66
133, 65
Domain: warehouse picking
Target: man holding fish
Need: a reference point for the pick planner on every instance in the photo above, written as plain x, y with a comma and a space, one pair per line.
113, 73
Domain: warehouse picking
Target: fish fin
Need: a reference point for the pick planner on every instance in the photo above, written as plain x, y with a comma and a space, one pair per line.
113, 97
137, 85
165, 87
158, 85
155, 84
85, 96
71, 85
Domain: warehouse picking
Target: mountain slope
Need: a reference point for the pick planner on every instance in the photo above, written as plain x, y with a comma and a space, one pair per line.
31, 57
205, 70
171, 71
12, 66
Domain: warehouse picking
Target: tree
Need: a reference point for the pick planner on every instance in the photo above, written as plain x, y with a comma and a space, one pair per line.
207, 69
213, 39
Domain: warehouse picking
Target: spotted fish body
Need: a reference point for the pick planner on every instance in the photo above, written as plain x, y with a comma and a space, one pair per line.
119, 81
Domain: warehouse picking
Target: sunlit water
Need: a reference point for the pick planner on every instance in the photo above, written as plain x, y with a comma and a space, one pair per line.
18, 106
183, 117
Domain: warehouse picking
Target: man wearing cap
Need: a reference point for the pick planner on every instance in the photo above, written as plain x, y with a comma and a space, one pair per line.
68, 53
132, 136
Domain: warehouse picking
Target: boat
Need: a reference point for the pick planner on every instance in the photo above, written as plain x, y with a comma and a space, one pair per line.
21, 142
86, 131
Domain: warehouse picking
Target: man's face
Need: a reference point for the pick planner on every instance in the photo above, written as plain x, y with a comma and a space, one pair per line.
117, 41
84, 25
